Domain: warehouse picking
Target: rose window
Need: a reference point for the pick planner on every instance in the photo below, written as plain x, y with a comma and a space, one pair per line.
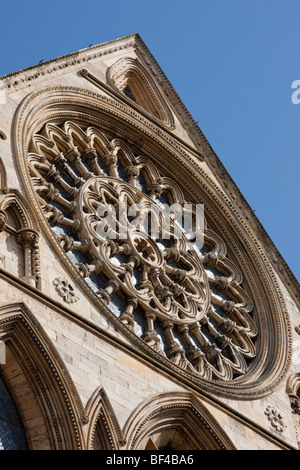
108, 205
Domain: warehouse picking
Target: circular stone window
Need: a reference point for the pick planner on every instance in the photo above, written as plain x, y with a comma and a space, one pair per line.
210, 313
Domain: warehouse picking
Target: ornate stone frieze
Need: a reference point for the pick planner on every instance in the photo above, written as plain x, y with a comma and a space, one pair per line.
128, 76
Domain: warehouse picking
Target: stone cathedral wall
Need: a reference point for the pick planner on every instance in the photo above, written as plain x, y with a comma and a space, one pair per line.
96, 367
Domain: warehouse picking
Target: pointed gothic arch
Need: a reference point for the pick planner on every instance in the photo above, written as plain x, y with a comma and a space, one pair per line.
177, 421
104, 432
130, 77
35, 375
18, 221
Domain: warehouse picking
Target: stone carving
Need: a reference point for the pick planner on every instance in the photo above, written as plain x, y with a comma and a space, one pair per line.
275, 418
24, 230
130, 77
3, 220
293, 391
65, 290
195, 311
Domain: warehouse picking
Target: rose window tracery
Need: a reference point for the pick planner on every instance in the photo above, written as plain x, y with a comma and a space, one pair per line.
186, 302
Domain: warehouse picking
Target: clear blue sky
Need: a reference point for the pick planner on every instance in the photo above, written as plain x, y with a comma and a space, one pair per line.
231, 61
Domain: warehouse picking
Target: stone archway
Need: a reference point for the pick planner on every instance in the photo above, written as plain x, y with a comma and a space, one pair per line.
42, 389
175, 421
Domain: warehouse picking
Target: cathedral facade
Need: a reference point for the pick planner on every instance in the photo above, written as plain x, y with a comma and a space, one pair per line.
142, 304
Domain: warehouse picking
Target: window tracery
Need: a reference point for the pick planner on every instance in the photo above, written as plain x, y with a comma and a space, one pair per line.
186, 303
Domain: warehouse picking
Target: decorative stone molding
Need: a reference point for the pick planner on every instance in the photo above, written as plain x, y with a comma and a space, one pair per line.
129, 77
275, 418
25, 231
165, 163
158, 417
58, 416
102, 420
65, 289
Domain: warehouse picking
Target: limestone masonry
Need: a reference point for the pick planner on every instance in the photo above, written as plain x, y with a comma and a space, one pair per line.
148, 340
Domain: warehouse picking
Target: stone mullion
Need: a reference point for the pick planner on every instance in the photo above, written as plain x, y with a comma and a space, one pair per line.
91, 157
127, 317
86, 269
53, 195
221, 283
61, 163
226, 325
231, 310
28, 239
55, 216
69, 244
174, 348
234, 333
197, 356
111, 288
145, 283
151, 338
54, 175
133, 262
210, 349
225, 342
154, 190
74, 156
111, 162
132, 173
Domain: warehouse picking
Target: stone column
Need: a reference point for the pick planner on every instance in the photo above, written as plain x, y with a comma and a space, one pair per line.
28, 238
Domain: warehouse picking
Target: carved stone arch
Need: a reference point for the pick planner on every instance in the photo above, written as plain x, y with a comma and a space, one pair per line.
103, 432
177, 421
18, 220
176, 194
76, 134
248, 370
99, 141
129, 76
13, 198
121, 146
151, 173
44, 393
